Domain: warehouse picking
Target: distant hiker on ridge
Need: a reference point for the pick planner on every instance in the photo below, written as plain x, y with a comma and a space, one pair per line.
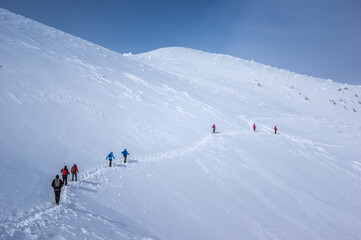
74, 172
125, 154
254, 127
214, 128
57, 184
110, 157
275, 129
65, 173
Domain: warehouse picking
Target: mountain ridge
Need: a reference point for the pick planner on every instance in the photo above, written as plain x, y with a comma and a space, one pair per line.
65, 100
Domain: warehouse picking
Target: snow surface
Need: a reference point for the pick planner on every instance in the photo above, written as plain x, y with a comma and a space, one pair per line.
64, 100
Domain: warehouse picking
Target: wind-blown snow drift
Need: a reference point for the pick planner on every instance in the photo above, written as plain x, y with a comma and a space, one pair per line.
64, 100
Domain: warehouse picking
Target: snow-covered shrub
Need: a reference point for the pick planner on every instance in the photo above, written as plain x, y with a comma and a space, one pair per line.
332, 102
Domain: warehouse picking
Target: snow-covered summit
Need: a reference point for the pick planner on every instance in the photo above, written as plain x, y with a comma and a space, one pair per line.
240, 76
64, 100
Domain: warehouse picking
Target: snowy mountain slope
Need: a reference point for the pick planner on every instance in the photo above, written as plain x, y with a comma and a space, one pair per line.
47, 89
64, 100
241, 75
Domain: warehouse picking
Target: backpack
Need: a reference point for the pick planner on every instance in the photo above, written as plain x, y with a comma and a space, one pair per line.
57, 183
73, 169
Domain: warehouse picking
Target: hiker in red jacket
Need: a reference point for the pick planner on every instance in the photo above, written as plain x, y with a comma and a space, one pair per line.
214, 128
74, 171
65, 173
275, 129
254, 127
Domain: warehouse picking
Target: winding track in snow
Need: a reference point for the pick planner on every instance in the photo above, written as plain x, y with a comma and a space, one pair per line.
30, 222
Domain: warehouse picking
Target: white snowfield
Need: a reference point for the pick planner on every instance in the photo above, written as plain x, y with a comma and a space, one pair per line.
64, 100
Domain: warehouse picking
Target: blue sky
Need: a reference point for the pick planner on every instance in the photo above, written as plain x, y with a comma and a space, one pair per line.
321, 38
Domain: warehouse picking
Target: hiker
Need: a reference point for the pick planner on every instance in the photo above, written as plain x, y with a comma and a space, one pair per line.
110, 157
65, 173
57, 184
275, 129
74, 172
214, 128
125, 154
254, 127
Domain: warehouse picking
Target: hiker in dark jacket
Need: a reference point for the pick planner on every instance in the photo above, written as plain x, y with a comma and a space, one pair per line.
65, 173
57, 184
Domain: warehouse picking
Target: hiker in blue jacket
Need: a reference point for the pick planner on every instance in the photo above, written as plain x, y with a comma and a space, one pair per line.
110, 157
125, 154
